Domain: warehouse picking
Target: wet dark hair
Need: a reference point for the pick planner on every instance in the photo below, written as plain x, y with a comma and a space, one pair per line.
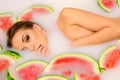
16, 27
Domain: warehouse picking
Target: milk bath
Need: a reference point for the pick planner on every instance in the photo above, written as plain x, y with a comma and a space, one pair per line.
58, 43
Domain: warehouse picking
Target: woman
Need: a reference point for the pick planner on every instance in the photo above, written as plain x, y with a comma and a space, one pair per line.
80, 27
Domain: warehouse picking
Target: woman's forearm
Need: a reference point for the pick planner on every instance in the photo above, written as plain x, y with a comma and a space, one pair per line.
104, 35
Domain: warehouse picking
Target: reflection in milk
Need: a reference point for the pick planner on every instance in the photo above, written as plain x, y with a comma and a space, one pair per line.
58, 43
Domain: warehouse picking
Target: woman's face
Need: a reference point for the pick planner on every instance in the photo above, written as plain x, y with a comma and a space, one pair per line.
32, 39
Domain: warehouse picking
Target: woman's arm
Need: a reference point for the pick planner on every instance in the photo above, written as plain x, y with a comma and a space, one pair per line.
103, 35
105, 29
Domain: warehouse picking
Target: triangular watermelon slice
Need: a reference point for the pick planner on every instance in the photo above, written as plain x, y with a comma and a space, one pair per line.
6, 21
5, 62
69, 64
106, 5
33, 10
109, 58
31, 70
52, 77
6, 59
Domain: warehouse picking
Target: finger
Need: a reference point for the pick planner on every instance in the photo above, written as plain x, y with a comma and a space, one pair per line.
39, 50
43, 51
47, 52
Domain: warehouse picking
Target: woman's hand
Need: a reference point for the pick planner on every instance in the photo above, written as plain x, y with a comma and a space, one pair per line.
101, 36
43, 51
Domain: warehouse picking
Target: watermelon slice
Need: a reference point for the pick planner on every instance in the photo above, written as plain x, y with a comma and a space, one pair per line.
68, 64
7, 58
118, 2
5, 61
6, 21
12, 54
106, 5
31, 70
9, 77
109, 58
86, 77
53, 77
33, 10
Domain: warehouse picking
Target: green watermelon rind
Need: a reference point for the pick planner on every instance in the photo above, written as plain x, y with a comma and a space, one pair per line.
103, 7
8, 14
1, 48
34, 6
103, 55
7, 57
31, 62
9, 76
12, 54
96, 66
22, 13
52, 76
43, 6
118, 2
76, 77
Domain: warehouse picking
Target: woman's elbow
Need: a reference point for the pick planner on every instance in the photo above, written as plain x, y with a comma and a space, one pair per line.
64, 15
65, 12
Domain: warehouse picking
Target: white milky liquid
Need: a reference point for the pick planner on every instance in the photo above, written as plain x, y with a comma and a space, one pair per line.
58, 44
112, 74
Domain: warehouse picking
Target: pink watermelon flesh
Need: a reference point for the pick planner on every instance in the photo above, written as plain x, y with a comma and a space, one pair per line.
89, 77
69, 65
31, 72
108, 3
112, 59
54, 79
40, 10
4, 63
29, 15
6, 22
26, 16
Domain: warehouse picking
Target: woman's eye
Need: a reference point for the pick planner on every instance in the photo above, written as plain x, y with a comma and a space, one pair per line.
27, 38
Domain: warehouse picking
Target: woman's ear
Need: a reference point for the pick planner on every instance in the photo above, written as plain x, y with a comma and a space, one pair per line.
37, 27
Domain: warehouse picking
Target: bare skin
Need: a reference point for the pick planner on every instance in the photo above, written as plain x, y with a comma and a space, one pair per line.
85, 28
80, 27
32, 39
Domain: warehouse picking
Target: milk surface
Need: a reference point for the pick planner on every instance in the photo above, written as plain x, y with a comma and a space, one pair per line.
58, 43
